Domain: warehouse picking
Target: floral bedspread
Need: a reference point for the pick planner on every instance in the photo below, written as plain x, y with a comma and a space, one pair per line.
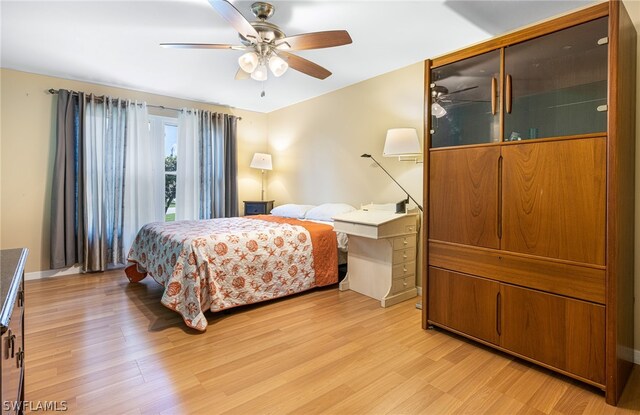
222, 263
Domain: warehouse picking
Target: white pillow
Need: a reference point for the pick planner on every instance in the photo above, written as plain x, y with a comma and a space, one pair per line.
291, 210
327, 211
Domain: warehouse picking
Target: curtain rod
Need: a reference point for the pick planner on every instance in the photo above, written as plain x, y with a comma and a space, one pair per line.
55, 91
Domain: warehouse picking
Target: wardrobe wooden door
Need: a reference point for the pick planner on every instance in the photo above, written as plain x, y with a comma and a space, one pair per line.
463, 196
553, 199
558, 331
465, 303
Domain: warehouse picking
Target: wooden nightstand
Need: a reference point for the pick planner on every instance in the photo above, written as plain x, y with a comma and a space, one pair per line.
257, 207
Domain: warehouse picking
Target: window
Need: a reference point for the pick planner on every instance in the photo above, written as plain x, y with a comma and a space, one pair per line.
165, 130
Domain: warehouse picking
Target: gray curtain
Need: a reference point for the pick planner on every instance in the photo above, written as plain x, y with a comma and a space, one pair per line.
219, 165
67, 229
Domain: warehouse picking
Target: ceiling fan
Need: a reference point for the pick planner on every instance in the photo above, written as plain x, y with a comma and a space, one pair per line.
441, 94
267, 45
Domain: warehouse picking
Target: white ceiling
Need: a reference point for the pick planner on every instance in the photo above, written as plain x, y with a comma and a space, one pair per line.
116, 42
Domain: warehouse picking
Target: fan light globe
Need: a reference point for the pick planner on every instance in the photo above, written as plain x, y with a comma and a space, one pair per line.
278, 65
437, 110
260, 74
248, 62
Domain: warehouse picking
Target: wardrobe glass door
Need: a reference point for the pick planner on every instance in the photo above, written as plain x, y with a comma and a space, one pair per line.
556, 85
465, 101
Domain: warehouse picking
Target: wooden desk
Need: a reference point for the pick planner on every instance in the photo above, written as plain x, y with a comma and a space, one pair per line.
382, 254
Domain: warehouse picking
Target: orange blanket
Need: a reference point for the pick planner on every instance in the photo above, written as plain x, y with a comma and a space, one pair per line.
325, 247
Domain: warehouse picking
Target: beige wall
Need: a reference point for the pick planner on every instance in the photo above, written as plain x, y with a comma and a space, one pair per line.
27, 152
316, 144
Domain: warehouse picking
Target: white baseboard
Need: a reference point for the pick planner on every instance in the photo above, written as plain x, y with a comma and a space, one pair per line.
636, 357
52, 273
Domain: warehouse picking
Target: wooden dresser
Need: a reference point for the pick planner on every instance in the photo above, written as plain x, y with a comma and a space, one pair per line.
529, 194
382, 254
12, 263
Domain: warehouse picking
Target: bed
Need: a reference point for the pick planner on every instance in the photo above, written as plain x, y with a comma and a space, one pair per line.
219, 264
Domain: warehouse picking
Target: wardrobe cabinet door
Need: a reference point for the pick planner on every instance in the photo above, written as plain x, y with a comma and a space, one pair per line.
556, 85
553, 199
464, 303
465, 101
561, 332
463, 196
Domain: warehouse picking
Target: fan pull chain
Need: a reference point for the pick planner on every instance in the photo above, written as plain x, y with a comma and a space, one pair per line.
262, 94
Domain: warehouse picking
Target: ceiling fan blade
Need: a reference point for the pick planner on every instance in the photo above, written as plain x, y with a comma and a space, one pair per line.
202, 46
305, 66
241, 75
316, 40
235, 19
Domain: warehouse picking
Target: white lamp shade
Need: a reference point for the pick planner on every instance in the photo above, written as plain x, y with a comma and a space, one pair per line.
260, 74
401, 142
438, 110
261, 161
278, 65
248, 62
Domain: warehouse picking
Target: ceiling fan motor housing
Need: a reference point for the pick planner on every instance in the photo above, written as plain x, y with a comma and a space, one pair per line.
269, 32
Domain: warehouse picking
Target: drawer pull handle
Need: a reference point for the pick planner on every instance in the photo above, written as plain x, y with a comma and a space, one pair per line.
405, 242
12, 344
404, 256
404, 283
19, 358
499, 314
7, 350
404, 269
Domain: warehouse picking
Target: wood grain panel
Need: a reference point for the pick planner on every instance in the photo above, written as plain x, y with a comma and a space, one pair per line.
463, 196
424, 231
564, 333
536, 30
575, 280
553, 199
464, 303
620, 199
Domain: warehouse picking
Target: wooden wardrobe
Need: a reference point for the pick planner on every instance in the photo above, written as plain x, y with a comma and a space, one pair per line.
529, 194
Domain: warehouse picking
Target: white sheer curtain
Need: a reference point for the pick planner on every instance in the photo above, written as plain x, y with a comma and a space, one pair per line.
103, 172
123, 180
144, 175
188, 169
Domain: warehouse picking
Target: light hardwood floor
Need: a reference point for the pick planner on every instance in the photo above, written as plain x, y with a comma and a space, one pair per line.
109, 347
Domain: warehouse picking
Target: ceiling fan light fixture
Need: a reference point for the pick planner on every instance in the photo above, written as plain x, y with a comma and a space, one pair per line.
260, 73
437, 110
248, 62
278, 65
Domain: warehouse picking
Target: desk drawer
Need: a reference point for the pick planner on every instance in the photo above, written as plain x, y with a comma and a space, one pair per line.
403, 270
402, 284
357, 229
402, 242
404, 255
